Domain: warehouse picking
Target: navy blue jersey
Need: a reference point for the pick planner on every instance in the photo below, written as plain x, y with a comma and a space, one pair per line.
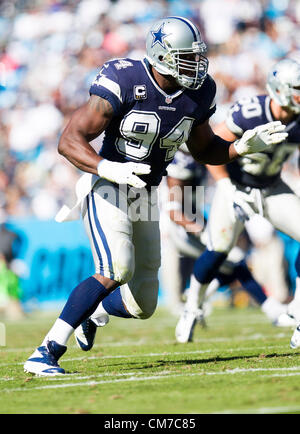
148, 124
262, 169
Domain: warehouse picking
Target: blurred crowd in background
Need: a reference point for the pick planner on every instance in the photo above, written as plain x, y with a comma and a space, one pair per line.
51, 50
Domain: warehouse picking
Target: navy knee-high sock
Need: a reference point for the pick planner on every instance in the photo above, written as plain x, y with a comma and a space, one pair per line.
83, 301
207, 265
244, 276
113, 305
225, 279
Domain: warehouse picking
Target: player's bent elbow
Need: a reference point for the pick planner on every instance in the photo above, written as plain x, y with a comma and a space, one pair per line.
140, 297
62, 146
66, 141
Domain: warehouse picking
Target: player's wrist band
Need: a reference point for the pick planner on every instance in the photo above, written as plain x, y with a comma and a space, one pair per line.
237, 146
99, 164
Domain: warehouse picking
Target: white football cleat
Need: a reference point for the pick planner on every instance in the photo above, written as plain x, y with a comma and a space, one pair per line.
285, 320
44, 361
292, 316
295, 340
293, 309
186, 324
276, 312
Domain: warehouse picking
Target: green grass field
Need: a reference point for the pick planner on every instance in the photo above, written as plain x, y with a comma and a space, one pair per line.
239, 364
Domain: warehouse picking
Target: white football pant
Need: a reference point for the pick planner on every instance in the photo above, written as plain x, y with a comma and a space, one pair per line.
278, 204
125, 248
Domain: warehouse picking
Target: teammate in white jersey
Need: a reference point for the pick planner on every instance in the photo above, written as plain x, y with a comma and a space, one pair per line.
188, 238
252, 185
147, 109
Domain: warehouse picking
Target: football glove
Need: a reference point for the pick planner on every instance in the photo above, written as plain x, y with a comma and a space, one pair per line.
261, 138
123, 173
246, 205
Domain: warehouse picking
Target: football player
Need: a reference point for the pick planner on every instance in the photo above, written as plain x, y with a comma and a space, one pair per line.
147, 109
252, 184
189, 239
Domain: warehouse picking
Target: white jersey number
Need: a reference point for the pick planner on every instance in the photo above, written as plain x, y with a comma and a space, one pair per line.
250, 107
140, 131
262, 163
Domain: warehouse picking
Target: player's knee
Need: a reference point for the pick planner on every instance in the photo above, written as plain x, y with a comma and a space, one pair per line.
150, 287
141, 302
223, 242
149, 301
148, 310
223, 246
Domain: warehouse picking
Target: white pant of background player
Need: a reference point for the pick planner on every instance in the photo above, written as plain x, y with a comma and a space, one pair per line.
178, 243
125, 249
278, 204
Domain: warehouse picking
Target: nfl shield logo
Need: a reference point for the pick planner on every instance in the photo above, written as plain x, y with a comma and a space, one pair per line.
168, 99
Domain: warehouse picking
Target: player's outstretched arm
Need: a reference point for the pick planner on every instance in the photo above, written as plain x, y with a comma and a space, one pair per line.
87, 123
220, 172
208, 148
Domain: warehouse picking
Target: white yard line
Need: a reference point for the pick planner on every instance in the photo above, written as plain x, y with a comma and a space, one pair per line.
283, 375
175, 353
135, 377
90, 383
267, 410
228, 371
78, 377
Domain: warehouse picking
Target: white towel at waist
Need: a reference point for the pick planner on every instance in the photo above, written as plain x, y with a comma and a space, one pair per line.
83, 186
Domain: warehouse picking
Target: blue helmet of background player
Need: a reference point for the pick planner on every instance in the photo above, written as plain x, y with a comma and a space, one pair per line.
175, 47
283, 84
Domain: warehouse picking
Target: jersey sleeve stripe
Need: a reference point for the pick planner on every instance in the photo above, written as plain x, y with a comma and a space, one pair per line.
235, 129
110, 85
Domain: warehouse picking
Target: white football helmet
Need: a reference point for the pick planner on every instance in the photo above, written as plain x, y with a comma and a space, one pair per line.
283, 84
175, 47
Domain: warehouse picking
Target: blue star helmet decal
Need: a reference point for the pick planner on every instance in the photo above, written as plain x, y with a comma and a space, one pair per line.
158, 37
